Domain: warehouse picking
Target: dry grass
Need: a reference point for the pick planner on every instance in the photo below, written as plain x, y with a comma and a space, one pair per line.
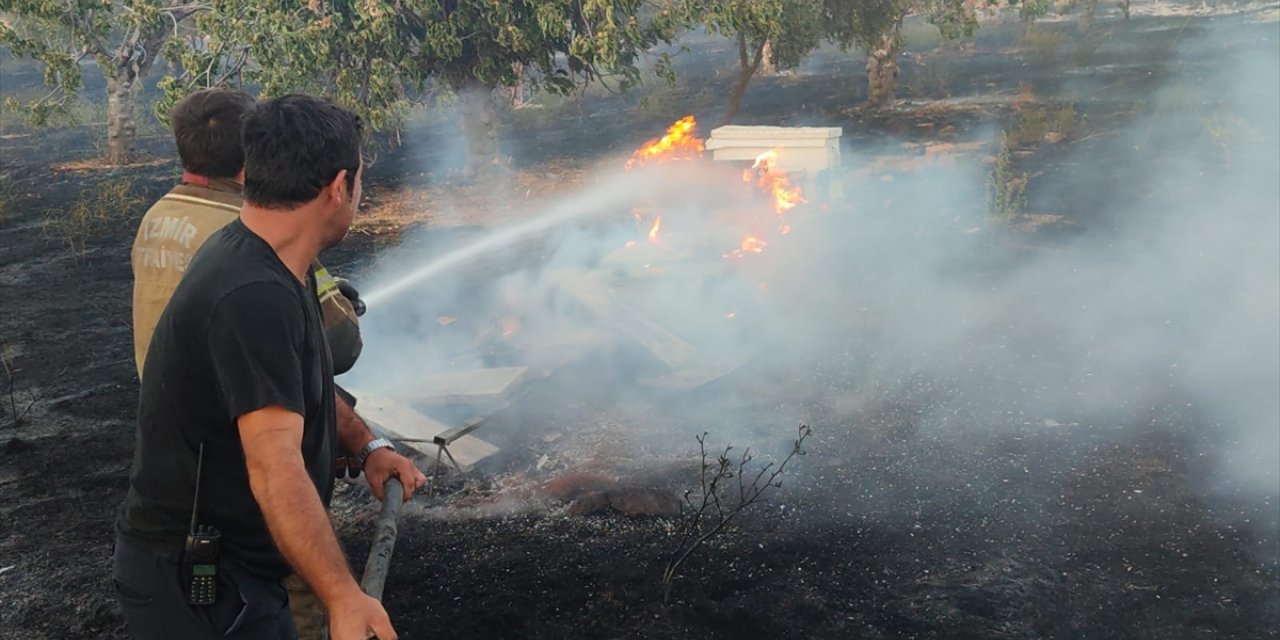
8, 200
388, 211
1040, 43
928, 78
1226, 131
1049, 123
1008, 187
100, 164
96, 210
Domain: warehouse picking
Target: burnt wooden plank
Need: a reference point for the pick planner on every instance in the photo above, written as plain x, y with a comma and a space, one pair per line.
592, 293
476, 387
696, 373
399, 421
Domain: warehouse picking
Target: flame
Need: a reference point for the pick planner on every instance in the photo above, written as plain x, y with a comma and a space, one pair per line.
509, 324
678, 143
750, 244
773, 182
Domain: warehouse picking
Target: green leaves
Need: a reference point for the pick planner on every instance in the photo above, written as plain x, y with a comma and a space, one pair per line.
378, 55
952, 17
122, 36
382, 56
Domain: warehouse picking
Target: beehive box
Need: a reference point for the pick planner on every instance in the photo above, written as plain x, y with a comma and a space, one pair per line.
799, 149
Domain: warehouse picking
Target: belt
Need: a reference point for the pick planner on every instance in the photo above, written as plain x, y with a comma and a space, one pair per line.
160, 550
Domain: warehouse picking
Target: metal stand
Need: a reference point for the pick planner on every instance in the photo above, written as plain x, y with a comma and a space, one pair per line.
442, 443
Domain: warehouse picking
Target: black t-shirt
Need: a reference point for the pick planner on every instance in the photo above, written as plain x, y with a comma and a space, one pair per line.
240, 333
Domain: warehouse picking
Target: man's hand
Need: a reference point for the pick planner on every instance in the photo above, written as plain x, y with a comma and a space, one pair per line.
349, 292
359, 617
384, 464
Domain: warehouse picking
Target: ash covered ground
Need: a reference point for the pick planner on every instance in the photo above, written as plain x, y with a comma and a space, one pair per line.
1059, 424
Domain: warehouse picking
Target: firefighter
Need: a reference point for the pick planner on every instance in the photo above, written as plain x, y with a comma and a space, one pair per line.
207, 131
206, 127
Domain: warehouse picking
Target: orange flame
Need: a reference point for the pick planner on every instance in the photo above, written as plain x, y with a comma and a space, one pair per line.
510, 324
678, 143
785, 195
750, 244
653, 232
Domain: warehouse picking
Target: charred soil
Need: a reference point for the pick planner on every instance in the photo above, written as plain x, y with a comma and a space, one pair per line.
1025, 533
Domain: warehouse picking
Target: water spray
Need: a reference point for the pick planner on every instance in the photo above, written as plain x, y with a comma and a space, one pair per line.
608, 197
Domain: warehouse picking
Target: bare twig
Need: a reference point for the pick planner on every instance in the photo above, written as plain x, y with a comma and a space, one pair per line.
17, 414
702, 523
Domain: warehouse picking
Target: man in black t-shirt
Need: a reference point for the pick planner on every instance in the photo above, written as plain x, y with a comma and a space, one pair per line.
239, 368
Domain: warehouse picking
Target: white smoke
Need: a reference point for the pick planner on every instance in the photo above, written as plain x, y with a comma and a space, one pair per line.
1170, 297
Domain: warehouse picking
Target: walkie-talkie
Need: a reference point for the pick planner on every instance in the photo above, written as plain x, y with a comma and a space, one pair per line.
200, 557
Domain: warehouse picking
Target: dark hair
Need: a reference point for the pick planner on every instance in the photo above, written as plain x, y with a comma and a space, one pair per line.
294, 145
206, 126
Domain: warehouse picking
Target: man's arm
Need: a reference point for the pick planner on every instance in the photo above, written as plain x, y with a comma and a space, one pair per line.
272, 441
383, 464
353, 432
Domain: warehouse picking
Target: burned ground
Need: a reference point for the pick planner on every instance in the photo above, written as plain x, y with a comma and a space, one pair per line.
1064, 525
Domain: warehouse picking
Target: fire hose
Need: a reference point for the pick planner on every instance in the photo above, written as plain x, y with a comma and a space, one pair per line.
384, 540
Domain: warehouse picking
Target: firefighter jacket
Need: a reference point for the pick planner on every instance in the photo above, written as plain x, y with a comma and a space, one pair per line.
171, 232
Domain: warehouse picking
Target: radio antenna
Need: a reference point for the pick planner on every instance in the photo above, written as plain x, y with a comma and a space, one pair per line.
195, 500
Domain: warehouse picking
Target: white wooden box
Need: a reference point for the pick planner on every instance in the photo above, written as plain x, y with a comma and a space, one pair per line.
809, 149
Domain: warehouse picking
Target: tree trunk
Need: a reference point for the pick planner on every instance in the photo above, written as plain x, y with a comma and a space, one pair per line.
746, 70
126, 70
1090, 15
122, 128
1124, 6
517, 89
767, 65
882, 71
479, 122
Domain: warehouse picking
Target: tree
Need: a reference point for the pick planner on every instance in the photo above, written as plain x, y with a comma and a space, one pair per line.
475, 47
352, 53
875, 26
775, 33
123, 37
380, 55
782, 33
1031, 10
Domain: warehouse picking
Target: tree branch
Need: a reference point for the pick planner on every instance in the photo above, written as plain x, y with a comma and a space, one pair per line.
693, 533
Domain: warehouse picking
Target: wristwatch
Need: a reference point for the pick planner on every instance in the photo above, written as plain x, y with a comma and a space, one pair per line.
374, 445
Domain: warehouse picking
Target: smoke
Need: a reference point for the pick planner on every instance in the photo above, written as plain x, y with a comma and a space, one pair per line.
900, 283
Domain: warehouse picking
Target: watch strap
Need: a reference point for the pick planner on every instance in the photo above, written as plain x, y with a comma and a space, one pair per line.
374, 445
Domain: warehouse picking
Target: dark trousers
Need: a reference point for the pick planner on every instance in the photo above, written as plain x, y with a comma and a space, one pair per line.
153, 597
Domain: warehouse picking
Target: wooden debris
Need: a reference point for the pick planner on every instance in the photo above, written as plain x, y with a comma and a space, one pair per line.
547, 351
697, 373
590, 291
488, 387
398, 421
